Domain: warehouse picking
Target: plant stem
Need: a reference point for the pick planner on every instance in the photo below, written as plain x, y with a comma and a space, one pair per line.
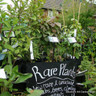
10, 32
14, 62
74, 51
92, 58
3, 89
1, 28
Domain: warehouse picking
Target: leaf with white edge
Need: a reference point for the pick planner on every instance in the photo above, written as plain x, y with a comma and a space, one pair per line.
90, 94
92, 89
23, 77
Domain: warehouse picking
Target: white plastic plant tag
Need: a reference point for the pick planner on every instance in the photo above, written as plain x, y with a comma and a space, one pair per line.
53, 39
58, 24
69, 55
6, 33
2, 74
5, 50
13, 34
72, 40
2, 56
31, 50
14, 46
0, 37
75, 32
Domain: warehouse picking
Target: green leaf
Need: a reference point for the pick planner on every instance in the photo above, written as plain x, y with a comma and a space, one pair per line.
28, 31
3, 15
3, 3
17, 32
92, 89
9, 59
5, 28
8, 69
90, 94
4, 82
18, 27
7, 46
34, 23
36, 93
23, 78
33, 17
0, 48
15, 69
28, 90
5, 94
17, 51
8, 7
18, 74
76, 45
12, 77
15, 73
7, 23
1, 84
1, 80
15, 21
39, 35
91, 73
88, 82
77, 55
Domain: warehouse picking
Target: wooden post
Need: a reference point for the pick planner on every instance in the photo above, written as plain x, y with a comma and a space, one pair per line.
63, 17
79, 11
73, 10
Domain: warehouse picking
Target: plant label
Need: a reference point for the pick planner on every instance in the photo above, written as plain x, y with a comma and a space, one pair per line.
31, 50
5, 50
75, 32
53, 39
6, 33
72, 40
14, 46
2, 74
55, 78
0, 37
2, 56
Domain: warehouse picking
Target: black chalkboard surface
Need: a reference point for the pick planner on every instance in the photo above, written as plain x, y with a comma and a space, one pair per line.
56, 79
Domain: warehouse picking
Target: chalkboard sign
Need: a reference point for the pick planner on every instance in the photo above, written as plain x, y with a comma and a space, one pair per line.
56, 79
